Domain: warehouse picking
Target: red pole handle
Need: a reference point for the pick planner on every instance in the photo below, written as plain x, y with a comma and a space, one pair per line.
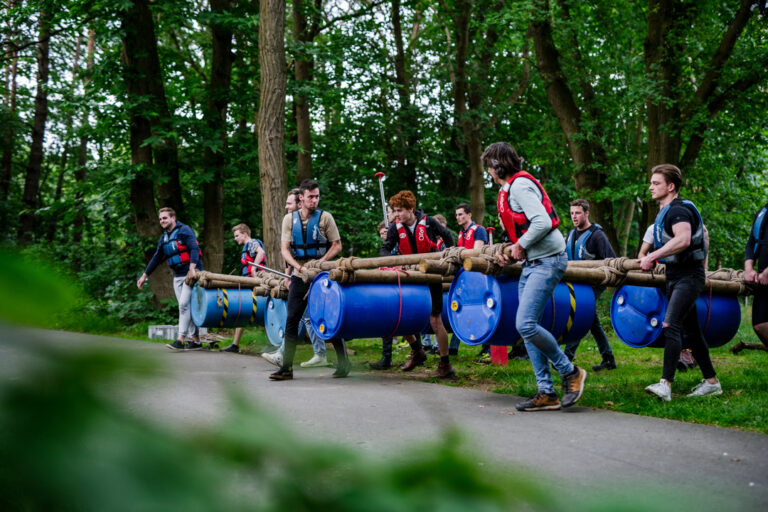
380, 175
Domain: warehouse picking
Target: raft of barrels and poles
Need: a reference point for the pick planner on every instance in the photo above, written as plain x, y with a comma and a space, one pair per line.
389, 296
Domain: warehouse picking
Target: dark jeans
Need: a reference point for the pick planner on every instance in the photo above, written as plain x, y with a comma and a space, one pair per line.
296, 304
597, 332
681, 316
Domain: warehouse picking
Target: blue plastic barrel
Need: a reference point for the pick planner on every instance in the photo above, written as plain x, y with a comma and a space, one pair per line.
483, 309
226, 307
637, 314
720, 323
367, 310
274, 320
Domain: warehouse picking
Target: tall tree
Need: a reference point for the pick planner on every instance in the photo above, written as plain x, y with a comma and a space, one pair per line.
306, 26
143, 80
9, 97
216, 123
584, 139
271, 124
34, 167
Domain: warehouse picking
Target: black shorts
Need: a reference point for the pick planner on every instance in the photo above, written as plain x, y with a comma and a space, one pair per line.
760, 306
436, 294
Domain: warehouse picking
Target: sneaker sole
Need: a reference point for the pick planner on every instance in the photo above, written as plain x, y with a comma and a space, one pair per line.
544, 408
660, 397
314, 365
720, 392
581, 389
173, 348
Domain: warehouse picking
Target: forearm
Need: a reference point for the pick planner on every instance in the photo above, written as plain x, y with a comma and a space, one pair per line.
332, 251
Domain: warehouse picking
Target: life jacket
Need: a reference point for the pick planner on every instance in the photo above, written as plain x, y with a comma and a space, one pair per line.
423, 243
516, 223
758, 229
308, 242
467, 238
578, 250
246, 258
177, 254
696, 251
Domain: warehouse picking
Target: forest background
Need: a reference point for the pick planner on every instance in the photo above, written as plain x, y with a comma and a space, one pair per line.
114, 108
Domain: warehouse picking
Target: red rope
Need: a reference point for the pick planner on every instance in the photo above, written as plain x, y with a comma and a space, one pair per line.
400, 297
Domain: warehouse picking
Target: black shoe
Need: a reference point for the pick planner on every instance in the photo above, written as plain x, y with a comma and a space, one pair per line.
609, 363
381, 364
434, 351
573, 386
282, 374
176, 345
540, 402
232, 348
342, 371
193, 345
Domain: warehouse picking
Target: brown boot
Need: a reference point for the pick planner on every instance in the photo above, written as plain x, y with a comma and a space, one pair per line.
417, 359
444, 371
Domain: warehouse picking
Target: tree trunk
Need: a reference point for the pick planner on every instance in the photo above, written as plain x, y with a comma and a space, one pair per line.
11, 67
407, 121
216, 121
587, 177
78, 224
141, 67
303, 34
271, 125
32, 182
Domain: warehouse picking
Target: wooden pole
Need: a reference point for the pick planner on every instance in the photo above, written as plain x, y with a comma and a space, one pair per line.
383, 276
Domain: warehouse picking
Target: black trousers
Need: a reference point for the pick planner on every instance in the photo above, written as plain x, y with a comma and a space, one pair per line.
681, 315
296, 304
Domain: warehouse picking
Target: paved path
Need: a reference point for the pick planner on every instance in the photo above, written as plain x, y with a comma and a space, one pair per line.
580, 450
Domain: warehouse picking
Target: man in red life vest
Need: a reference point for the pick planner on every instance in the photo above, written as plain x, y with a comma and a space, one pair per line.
415, 233
531, 223
471, 235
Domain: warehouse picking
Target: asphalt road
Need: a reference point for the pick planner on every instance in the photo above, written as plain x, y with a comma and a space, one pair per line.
579, 451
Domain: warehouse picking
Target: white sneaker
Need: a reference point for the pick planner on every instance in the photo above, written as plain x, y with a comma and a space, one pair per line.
704, 388
276, 358
661, 389
315, 361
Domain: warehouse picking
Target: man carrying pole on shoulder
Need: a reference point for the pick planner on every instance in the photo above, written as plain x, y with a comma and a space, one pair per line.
531, 224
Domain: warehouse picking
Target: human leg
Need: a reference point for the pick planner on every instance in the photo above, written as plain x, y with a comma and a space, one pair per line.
295, 305
681, 299
537, 282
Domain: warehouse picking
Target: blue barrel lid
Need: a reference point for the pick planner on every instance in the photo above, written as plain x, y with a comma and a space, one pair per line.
274, 320
637, 314
474, 309
326, 304
198, 305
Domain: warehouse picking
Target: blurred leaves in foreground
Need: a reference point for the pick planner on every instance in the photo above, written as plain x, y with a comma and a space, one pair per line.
33, 290
67, 444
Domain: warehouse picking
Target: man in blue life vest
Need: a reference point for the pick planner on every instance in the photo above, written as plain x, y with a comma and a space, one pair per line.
416, 233
756, 251
531, 223
253, 252
680, 243
587, 241
178, 246
308, 233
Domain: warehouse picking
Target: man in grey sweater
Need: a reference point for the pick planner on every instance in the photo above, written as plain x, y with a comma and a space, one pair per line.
531, 223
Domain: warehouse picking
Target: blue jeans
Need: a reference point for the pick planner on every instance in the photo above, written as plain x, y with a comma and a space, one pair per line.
537, 282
